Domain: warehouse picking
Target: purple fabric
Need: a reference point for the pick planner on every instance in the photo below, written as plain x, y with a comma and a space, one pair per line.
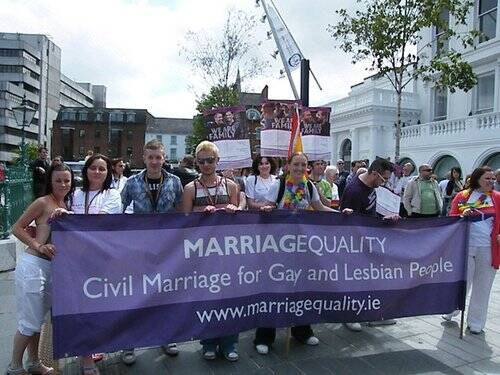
122, 285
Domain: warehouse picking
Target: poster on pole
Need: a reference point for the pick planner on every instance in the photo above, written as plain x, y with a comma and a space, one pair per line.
315, 127
275, 127
227, 128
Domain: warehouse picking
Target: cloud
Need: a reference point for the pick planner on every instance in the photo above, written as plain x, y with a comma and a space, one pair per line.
132, 46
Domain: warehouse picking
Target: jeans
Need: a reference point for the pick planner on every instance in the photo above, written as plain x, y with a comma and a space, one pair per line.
266, 336
226, 344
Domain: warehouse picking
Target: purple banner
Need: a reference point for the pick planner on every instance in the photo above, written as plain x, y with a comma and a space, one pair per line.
143, 280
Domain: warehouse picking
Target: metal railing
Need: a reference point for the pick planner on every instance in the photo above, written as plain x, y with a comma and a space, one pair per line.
16, 193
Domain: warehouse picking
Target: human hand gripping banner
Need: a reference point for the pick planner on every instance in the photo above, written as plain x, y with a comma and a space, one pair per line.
122, 281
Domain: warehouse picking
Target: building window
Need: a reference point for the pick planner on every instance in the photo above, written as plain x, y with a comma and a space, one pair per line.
485, 91
440, 104
116, 117
81, 151
159, 138
129, 152
131, 117
130, 135
97, 133
441, 43
173, 139
82, 133
173, 154
487, 19
98, 116
82, 116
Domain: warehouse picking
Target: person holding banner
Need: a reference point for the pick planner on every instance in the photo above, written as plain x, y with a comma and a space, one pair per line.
484, 243
210, 193
294, 191
261, 180
153, 190
332, 175
33, 270
360, 196
95, 197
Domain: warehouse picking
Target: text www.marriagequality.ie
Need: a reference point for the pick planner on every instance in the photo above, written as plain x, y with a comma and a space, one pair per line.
295, 307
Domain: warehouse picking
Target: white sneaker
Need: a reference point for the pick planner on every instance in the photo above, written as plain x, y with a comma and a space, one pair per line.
262, 349
170, 349
128, 357
450, 316
232, 356
209, 355
355, 327
313, 341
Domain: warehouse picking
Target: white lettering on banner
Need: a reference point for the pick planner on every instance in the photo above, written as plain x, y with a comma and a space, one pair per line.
430, 270
278, 272
373, 272
288, 243
98, 287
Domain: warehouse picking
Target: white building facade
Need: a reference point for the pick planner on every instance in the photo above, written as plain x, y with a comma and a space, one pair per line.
30, 67
172, 132
443, 129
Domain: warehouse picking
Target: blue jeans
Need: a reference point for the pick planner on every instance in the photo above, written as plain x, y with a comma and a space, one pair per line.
226, 344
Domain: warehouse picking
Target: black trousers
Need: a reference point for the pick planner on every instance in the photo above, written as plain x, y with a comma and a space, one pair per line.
266, 336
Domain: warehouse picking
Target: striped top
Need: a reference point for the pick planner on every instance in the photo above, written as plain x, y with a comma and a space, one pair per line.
217, 196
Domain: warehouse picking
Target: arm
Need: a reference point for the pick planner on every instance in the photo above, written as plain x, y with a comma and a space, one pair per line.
242, 201
407, 197
233, 192
454, 205
188, 197
33, 212
126, 196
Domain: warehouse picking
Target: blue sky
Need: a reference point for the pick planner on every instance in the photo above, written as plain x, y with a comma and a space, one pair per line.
132, 46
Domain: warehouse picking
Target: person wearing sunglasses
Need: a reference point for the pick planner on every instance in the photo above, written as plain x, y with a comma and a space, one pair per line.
209, 193
422, 196
479, 199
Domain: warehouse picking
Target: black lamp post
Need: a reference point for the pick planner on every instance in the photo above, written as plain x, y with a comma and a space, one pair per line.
24, 115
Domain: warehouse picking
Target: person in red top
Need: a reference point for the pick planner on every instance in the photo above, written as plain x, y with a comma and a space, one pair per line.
484, 243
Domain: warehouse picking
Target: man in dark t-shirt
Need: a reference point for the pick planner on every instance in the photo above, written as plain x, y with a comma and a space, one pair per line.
360, 196
40, 169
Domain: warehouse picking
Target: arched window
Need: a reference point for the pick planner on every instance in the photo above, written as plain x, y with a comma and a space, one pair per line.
345, 152
493, 161
444, 165
403, 161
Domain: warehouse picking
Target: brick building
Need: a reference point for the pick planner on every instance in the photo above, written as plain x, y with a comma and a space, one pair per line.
115, 132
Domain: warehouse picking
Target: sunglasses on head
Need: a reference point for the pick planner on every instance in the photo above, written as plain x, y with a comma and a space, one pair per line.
427, 170
209, 160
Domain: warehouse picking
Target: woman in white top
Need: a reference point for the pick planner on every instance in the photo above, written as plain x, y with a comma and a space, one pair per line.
119, 180
292, 192
95, 197
258, 185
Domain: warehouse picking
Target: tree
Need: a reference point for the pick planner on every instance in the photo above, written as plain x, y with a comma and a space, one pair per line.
219, 96
218, 59
388, 33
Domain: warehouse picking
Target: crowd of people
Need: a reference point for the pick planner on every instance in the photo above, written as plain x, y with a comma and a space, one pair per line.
197, 185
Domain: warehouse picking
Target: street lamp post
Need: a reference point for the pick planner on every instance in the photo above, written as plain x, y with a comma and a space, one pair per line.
24, 115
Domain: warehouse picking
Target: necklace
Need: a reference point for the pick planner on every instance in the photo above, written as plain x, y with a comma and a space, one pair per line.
291, 197
58, 204
212, 199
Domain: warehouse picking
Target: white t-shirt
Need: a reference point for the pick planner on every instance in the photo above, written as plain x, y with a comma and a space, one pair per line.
257, 187
108, 201
442, 186
304, 204
480, 231
119, 184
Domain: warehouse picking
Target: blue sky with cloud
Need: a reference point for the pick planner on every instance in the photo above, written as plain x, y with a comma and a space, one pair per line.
132, 46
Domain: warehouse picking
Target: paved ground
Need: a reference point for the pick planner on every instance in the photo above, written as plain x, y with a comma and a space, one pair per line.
422, 345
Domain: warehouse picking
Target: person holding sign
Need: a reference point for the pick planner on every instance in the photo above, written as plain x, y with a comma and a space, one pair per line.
210, 193
484, 243
33, 270
292, 192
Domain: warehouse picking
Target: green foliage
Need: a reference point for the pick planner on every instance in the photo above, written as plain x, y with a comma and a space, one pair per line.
31, 153
388, 32
218, 96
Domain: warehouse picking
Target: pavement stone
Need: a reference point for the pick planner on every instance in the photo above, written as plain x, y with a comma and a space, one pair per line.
416, 345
